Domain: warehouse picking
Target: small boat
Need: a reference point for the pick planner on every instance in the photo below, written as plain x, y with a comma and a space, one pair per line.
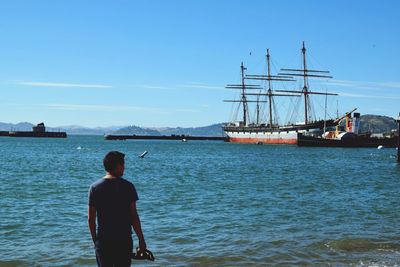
348, 138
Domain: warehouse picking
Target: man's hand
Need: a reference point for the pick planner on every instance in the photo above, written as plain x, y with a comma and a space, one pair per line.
142, 245
137, 226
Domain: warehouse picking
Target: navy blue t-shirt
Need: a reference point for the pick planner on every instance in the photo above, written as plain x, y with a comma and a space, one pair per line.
112, 199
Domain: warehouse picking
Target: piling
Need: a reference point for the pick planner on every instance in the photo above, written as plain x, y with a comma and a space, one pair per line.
398, 138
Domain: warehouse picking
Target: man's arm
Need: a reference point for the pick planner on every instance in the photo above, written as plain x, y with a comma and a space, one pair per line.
92, 222
137, 226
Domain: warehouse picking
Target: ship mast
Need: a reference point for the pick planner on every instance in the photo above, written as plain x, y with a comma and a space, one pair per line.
258, 110
305, 73
305, 87
244, 99
243, 96
269, 92
269, 88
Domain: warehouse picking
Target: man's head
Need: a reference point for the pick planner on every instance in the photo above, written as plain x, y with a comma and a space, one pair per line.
114, 163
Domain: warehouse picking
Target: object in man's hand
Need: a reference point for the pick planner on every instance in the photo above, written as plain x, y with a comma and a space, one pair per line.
143, 255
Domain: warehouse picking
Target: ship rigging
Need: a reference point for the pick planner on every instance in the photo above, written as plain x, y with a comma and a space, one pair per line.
272, 132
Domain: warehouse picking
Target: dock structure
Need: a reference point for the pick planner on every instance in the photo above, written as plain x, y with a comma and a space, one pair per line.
398, 138
37, 131
165, 137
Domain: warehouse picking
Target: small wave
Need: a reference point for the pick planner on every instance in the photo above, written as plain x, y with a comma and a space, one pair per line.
15, 263
362, 245
82, 148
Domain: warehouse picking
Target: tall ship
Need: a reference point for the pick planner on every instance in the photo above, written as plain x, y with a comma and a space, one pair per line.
270, 131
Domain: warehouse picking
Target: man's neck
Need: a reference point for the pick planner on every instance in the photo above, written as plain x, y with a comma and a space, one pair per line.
110, 176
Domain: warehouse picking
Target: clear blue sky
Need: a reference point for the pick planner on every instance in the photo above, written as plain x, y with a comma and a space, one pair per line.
165, 63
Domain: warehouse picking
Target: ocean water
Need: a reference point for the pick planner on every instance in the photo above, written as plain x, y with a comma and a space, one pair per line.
205, 203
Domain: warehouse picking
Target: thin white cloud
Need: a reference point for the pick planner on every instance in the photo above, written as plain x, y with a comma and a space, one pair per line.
80, 107
198, 85
184, 110
182, 86
202, 86
368, 96
204, 105
117, 108
391, 84
57, 84
155, 87
365, 84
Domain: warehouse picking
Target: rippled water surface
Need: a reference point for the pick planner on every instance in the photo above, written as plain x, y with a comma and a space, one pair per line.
205, 203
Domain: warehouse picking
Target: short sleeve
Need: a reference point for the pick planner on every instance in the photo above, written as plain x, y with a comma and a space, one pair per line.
91, 197
134, 196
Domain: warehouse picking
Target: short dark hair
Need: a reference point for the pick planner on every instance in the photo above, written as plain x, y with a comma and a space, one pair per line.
112, 159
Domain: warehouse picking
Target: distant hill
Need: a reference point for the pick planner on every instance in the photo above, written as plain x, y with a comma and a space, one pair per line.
212, 130
79, 130
377, 124
22, 126
130, 130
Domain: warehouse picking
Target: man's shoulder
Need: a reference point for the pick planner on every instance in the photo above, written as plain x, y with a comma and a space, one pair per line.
128, 183
97, 183
131, 189
101, 183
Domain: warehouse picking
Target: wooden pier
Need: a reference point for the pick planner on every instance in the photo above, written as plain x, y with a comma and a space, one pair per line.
398, 138
165, 137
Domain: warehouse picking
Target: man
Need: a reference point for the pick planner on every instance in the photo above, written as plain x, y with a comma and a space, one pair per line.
112, 200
